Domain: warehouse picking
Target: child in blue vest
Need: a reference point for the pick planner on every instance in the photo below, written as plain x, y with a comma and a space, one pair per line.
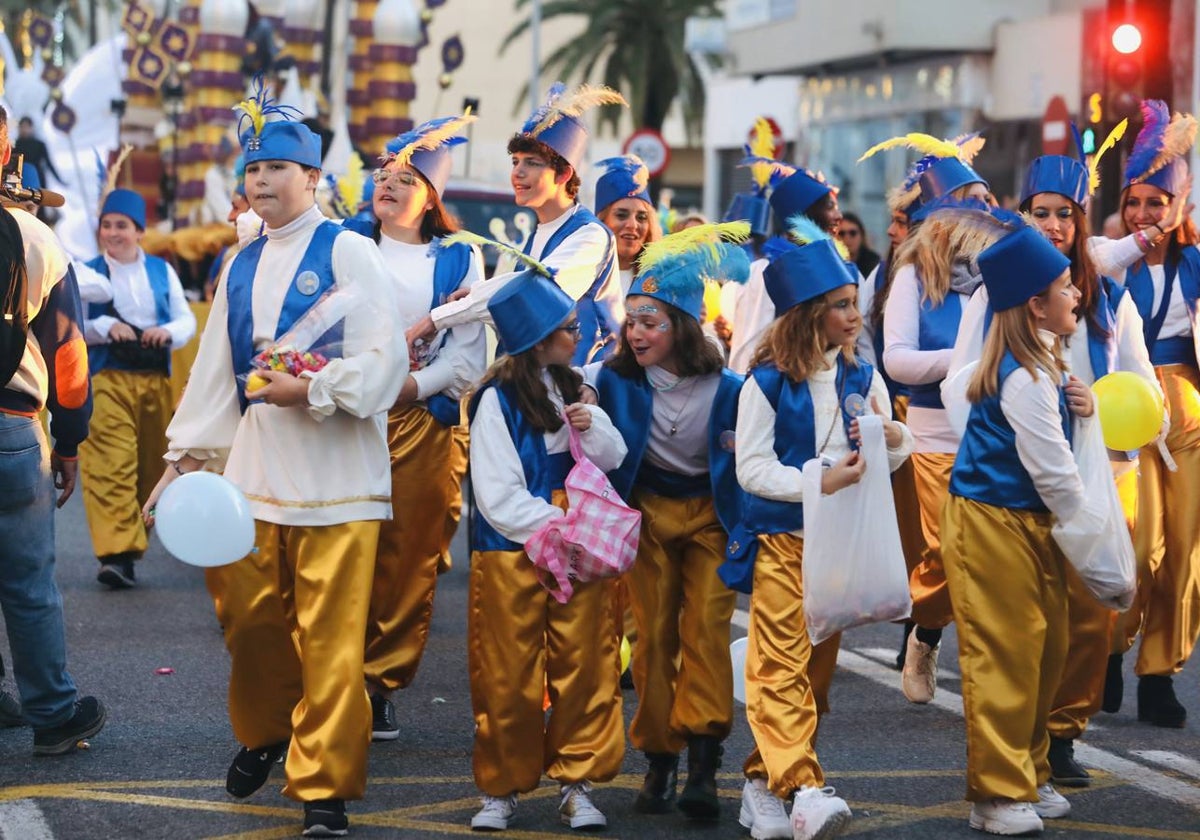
1013, 476
797, 404
428, 450
520, 639
130, 340
668, 392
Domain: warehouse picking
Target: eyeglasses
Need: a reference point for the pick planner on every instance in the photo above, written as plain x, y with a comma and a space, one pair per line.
575, 328
400, 176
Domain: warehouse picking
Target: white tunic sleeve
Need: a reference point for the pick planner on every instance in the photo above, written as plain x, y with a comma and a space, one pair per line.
463, 358
866, 336
968, 347
602, 443
903, 357
759, 469
1113, 256
1031, 407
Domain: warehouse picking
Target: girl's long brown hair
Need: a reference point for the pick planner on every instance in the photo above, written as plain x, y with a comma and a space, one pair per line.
523, 373
1013, 330
795, 342
1083, 269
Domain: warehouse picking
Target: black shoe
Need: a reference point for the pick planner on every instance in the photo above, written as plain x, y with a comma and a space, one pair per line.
383, 719
117, 572
1065, 771
250, 769
326, 818
10, 710
699, 800
1157, 703
908, 628
658, 788
1114, 685
87, 720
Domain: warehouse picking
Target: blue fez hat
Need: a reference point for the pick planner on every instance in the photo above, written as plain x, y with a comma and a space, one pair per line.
797, 192
427, 148
557, 125
675, 268
946, 175
624, 177
801, 273
528, 309
1057, 174
30, 179
1159, 155
753, 208
1020, 266
278, 140
127, 203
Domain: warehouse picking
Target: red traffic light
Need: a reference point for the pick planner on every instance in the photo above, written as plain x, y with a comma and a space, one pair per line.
1127, 38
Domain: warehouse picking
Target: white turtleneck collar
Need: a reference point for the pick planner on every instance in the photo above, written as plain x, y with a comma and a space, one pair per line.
308, 219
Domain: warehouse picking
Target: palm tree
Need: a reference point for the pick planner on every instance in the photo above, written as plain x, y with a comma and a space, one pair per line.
638, 46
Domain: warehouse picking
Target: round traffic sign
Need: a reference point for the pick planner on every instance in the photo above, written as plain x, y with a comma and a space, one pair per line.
650, 146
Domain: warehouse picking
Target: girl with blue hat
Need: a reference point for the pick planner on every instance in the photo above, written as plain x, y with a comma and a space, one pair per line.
310, 453
428, 450
130, 338
1165, 287
675, 404
796, 405
1013, 477
623, 203
522, 640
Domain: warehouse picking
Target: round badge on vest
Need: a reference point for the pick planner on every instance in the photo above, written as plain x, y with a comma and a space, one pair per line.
728, 440
307, 283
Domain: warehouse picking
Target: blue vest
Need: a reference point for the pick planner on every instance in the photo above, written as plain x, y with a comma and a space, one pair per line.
795, 444
99, 356
598, 324
629, 403
1168, 351
987, 468
239, 287
938, 330
544, 473
1102, 349
449, 270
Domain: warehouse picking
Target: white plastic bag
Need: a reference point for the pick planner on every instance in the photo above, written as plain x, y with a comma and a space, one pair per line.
853, 565
1096, 539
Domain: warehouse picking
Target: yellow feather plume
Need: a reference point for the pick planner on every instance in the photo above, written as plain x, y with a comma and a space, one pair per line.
114, 170
762, 144
465, 237
574, 103
1110, 141
350, 185
695, 238
436, 137
926, 144
252, 109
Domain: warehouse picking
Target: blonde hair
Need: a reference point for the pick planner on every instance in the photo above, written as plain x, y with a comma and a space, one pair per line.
795, 342
1014, 331
934, 245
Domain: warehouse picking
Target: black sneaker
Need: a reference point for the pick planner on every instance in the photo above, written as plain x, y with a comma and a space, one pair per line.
383, 719
1157, 703
250, 769
10, 710
326, 818
1065, 771
87, 720
1114, 684
117, 573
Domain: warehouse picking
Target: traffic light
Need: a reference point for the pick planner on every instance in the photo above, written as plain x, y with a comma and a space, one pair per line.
1138, 48
1126, 71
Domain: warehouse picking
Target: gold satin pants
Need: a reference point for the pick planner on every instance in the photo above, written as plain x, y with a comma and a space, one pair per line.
411, 545
1091, 630
1008, 586
927, 583
460, 437
521, 643
1168, 531
682, 610
294, 616
904, 493
121, 460
780, 696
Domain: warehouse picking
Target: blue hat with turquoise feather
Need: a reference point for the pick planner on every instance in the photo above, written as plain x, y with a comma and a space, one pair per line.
806, 267
675, 268
427, 148
1159, 155
557, 124
624, 177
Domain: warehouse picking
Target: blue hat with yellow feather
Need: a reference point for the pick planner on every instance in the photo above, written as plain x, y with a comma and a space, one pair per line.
427, 148
753, 205
945, 165
675, 268
267, 131
557, 123
624, 177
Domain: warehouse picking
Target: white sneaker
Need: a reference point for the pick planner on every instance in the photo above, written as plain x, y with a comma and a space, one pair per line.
1051, 804
919, 678
764, 813
817, 814
495, 813
1005, 816
577, 809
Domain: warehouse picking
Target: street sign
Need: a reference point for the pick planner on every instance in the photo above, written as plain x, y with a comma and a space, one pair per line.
650, 146
1056, 127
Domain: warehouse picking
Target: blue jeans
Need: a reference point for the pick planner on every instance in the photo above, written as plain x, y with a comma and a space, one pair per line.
29, 597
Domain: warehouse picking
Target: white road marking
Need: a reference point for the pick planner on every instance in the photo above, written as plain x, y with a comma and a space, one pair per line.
1138, 775
22, 819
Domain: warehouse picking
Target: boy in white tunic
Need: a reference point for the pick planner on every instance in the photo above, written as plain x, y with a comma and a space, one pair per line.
311, 456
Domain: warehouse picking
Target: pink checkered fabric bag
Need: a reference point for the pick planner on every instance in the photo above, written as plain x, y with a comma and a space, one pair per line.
596, 538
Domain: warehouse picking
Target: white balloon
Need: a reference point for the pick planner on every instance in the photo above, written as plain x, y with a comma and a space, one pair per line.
737, 653
204, 520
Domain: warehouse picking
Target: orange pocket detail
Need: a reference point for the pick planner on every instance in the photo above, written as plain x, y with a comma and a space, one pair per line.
71, 373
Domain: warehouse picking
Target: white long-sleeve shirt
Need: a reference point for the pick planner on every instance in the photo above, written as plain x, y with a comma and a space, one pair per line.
907, 363
133, 298
759, 469
325, 463
576, 261
865, 346
1112, 256
754, 313
94, 287
498, 478
463, 358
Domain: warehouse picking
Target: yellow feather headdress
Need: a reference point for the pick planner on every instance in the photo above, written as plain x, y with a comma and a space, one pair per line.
696, 239
761, 146
1113, 138
561, 103
427, 137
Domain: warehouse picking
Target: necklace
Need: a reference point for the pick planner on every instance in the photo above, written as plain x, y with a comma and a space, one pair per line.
682, 408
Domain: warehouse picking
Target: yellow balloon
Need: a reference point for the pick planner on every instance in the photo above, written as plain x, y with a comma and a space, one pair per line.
626, 652
1130, 410
712, 300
